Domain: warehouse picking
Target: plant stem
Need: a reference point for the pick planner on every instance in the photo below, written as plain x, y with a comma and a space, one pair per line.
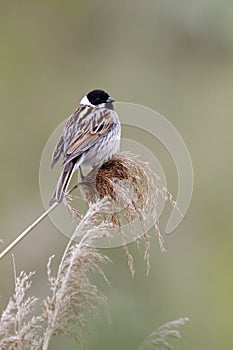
26, 232
49, 330
46, 342
33, 225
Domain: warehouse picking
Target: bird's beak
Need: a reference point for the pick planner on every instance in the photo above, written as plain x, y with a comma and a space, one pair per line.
110, 100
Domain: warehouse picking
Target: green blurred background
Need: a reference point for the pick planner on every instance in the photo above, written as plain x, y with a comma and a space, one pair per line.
173, 56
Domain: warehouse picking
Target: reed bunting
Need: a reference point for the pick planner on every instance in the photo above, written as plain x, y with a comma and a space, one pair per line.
90, 138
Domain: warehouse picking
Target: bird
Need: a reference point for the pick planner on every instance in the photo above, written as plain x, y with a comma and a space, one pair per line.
90, 138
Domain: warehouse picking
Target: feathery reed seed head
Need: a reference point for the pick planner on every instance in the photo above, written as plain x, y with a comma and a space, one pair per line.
132, 191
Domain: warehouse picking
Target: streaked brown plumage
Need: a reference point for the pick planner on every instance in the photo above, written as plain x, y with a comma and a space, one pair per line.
90, 138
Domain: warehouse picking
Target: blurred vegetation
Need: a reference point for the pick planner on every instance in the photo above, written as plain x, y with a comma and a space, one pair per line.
175, 57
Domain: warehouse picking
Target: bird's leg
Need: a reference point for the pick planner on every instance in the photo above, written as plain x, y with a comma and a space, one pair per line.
81, 174
90, 178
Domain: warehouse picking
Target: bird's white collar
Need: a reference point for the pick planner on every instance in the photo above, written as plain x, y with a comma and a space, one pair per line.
84, 101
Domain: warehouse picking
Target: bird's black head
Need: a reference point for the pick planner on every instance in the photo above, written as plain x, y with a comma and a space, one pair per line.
97, 97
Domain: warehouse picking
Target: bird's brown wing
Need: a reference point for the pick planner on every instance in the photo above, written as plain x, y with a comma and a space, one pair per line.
91, 124
57, 152
61, 145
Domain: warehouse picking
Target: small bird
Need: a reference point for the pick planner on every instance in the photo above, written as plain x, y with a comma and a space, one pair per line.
90, 138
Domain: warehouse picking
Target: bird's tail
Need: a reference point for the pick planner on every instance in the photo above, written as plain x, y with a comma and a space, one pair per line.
63, 183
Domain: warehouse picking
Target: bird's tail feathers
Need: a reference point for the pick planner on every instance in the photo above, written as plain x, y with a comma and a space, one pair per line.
63, 183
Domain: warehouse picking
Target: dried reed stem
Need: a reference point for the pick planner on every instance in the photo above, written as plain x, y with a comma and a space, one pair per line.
32, 226
27, 231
